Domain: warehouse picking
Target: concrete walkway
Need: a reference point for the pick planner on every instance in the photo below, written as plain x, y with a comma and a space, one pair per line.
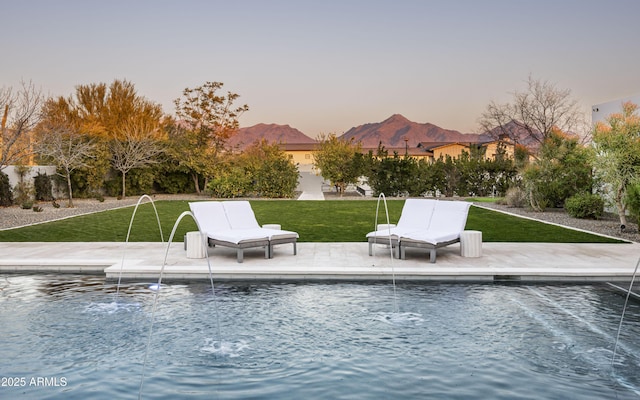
310, 185
561, 262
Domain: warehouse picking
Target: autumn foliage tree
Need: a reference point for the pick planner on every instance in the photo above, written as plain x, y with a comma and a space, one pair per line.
206, 120
119, 122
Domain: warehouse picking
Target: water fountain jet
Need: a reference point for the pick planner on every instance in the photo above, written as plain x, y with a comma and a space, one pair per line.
158, 288
393, 274
126, 242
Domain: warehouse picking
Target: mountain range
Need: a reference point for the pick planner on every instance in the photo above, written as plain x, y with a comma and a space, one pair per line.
272, 133
394, 132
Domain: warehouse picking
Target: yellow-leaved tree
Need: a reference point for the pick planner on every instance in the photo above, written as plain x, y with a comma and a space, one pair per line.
617, 162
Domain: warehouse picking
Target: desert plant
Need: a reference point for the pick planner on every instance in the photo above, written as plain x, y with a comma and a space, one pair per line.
516, 197
6, 195
37, 209
632, 199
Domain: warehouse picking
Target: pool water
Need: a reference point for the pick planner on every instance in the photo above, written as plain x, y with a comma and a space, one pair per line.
64, 336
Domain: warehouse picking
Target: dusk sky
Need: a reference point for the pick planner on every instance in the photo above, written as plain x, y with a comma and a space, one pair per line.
326, 66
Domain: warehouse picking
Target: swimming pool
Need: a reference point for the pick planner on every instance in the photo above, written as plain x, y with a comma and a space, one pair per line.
64, 336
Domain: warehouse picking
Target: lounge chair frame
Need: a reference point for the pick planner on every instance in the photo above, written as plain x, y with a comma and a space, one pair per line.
242, 245
404, 243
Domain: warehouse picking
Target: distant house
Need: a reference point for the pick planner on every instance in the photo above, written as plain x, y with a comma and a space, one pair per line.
489, 150
302, 153
415, 152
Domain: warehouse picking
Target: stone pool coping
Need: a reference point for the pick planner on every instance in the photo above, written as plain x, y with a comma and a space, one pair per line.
551, 262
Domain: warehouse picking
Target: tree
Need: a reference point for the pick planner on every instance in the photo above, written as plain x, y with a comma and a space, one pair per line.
339, 161
135, 145
209, 120
106, 114
563, 169
394, 175
534, 113
262, 170
617, 147
68, 150
273, 171
20, 114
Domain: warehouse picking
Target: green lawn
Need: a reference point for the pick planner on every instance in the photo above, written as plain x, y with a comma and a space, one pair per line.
315, 221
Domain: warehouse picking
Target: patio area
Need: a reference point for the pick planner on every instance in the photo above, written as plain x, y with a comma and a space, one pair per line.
561, 262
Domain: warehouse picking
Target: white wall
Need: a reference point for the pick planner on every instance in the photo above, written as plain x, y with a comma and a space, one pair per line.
601, 111
14, 177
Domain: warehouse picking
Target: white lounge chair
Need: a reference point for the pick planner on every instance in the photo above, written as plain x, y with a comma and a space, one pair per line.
233, 224
241, 216
447, 222
415, 216
213, 222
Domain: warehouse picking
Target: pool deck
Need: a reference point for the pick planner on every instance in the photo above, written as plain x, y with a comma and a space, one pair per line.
554, 262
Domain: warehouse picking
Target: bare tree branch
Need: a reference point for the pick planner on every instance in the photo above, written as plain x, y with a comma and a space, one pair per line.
136, 146
68, 150
20, 114
533, 114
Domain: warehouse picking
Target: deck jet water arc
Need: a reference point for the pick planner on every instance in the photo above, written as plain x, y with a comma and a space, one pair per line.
158, 288
393, 274
133, 216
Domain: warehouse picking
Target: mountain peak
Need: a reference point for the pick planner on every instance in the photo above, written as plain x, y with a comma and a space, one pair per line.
272, 133
395, 118
398, 132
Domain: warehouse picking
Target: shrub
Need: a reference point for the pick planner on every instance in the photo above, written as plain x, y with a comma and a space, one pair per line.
38, 209
632, 199
6, 196
516, 197
276, 179
585, 205
561, 171
232, 183
26, 205
24, 193
175, 182
43, 187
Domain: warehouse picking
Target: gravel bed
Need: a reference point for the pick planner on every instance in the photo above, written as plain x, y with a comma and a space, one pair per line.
15, 216
608, 225
12, 217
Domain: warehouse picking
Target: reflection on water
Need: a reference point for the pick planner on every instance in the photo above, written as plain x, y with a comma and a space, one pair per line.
317, 340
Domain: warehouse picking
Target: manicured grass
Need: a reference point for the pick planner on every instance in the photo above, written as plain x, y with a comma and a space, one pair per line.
315, 221
484, 199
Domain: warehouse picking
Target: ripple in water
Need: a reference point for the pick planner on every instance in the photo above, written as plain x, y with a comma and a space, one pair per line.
401, 319
110, 308
225, 349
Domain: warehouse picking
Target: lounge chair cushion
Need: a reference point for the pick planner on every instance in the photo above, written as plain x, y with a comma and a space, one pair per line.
449, 216
210, 216
240, 215
416, 215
